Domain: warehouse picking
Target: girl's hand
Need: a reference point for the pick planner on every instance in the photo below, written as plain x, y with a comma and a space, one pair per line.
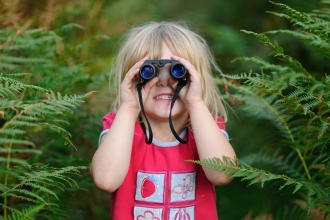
192, 92
128, 91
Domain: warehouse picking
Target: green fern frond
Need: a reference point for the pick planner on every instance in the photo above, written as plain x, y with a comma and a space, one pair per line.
25, 194
226, 165
28, 213
313, 39
24, 150
292, 14
7, 66
11, 132
278, 52
16, 161
32, 116
3, 187
13, 75
264, 64
285, 166
292, 211
27, 198
317, 194
16, 124
8, 103
11, 209
310, 105
28, 41
290, 182
296, 93
63, 104
8, 86
321, 142
40, 188
237, 76
20, 60
90, 40
64, 134
297, 103
323, 128
325, 2
254, 175
67, 27
42, 179
5, 141
46, 171
27, 108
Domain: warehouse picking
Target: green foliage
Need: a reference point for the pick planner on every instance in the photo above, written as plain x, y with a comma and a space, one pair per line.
29, 213
317, 195
296, 102
29, 107
67, 59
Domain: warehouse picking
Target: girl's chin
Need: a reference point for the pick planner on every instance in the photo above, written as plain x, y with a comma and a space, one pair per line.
159, 116
164, 116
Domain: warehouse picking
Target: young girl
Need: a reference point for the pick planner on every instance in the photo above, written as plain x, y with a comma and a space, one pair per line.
154, 181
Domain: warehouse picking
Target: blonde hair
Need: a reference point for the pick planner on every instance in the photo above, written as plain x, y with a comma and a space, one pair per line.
148, 40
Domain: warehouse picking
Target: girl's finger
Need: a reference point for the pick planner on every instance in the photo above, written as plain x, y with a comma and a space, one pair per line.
190, 68
150, 84
134, 71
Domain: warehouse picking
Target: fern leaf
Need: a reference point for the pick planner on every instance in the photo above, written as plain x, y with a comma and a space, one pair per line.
65, 134
24, 150
67, 27
3, 187
27, 195
21, 197
7, 103
244, 171
28, 213
45, 176
20, 60
323, 129
13, 161
11, 132
5, 141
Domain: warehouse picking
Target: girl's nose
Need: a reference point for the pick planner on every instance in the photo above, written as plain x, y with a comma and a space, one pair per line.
164, 76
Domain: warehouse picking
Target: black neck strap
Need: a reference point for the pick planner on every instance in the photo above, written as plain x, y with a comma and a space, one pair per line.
180, 85
139, 89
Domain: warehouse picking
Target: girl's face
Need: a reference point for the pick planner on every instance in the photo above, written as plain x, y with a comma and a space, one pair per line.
157, 104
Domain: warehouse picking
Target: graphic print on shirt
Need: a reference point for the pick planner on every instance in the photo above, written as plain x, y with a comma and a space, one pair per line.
183, 186
150, 187
186, 213
143, 213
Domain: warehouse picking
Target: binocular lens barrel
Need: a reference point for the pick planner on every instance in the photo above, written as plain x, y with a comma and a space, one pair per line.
148, 71
178, 71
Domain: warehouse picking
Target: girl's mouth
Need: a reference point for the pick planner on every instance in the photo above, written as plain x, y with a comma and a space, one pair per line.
164, 97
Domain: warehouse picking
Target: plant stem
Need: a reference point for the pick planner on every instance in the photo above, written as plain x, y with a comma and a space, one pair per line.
6, 181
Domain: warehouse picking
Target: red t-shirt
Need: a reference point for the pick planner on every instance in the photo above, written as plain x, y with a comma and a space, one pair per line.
160, 184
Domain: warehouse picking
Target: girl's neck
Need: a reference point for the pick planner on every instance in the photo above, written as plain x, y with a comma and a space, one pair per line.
161, 129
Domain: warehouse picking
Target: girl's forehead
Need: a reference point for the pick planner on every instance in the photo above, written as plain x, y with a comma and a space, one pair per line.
163, 51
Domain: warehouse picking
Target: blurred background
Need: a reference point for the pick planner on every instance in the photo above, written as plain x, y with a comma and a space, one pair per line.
103, 23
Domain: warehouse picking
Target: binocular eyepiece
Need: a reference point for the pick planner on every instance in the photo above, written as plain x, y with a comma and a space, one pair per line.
148, 70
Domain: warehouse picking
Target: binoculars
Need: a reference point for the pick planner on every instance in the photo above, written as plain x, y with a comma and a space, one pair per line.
148, 70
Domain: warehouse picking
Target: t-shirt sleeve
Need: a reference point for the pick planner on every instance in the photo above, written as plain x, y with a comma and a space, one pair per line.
107, 122
222, 125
